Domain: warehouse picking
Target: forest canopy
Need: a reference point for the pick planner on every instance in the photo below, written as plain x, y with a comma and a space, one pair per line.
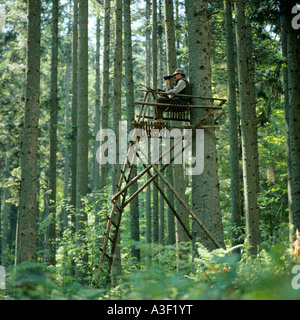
79, 85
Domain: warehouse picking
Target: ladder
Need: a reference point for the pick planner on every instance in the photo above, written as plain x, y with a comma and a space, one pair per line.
120, 201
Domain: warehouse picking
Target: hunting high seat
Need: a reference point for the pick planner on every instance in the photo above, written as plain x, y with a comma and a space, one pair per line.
121, 198
177, 112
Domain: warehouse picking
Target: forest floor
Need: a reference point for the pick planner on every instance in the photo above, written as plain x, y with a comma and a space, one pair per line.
217, 275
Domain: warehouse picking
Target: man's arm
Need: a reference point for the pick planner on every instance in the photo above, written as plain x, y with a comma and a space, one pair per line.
178, 88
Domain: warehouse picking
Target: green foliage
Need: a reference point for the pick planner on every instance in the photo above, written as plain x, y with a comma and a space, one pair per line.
174, 273
217, 275
33, 281
74, 246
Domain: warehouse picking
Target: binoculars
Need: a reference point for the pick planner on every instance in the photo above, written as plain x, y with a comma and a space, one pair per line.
169, 76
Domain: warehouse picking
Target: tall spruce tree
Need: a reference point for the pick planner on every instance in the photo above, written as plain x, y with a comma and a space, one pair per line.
284, 26
205, 187
117, 95
233, 126
134, 204
28, 192
96, 167
53, 134
249, 164
178, 174
105, 83
74, 117
82, 125
293, 66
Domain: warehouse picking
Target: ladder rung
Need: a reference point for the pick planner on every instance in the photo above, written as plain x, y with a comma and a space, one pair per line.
106, 255
108, 237
119, 209
122, 172
112, 222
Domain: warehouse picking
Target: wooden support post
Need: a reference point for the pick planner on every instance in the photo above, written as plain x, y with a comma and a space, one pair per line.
220, 116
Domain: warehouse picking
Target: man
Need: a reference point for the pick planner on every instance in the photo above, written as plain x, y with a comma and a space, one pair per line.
182, 86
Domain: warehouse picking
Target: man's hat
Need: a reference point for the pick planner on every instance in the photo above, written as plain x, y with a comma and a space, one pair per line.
179, 70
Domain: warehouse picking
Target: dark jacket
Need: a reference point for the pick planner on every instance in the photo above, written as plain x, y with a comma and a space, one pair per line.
187, 90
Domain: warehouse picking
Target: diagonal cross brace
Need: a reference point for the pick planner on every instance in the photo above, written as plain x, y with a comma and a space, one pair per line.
169, 185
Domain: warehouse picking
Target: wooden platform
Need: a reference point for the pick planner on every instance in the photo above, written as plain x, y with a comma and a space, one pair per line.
177, 112
148, 126
179, 106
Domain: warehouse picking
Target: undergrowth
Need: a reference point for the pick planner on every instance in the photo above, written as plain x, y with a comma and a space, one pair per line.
220, 275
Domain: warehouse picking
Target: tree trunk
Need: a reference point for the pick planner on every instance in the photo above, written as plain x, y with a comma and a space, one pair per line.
249, 168
27, 220
154, 44
82, 126
233, 128
178, 176
13, 232
53, 135
67, 149
171, 66
171, 230
96, 165
105, 84
74, 100
96, 169
170, 36
45, 215
151, 224
134, 204
170, 227
148, 49
5, 246
157, 231
177, 24
205, 187
116, 266
251, 68
293, 65
284, 26
74, 119
160, 46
